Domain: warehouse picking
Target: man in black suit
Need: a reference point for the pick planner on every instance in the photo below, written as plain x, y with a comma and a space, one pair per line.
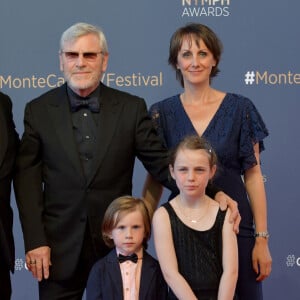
76, 155
8, 147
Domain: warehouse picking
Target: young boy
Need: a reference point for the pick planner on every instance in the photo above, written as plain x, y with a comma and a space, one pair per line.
128, 271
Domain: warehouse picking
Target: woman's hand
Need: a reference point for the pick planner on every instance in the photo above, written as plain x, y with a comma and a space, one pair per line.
261, 258
225, 201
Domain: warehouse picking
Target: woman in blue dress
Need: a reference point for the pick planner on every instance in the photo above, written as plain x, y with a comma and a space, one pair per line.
235, 129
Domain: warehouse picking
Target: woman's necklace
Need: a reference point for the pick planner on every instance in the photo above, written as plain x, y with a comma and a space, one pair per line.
193, 218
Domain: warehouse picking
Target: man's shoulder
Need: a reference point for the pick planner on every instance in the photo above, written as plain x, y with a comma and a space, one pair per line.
5, 100
49, 96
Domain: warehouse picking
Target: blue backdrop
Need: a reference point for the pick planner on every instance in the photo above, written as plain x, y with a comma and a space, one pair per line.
260, 60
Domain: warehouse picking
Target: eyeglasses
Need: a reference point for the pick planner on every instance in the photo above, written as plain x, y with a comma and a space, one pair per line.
71, 55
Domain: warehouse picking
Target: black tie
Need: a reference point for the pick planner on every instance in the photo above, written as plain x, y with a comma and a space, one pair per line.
133, 257
91, 103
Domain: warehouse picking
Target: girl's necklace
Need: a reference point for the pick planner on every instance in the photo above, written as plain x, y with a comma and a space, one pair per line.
196, 218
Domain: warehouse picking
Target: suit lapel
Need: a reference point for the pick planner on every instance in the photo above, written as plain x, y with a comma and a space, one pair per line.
60, 117
146, 274
114, 272
60, 114
110, 108
3, 134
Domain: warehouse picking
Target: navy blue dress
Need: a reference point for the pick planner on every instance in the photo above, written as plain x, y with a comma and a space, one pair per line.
232, 132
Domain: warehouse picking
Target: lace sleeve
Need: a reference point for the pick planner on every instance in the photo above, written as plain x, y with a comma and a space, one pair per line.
253, 131
157, 122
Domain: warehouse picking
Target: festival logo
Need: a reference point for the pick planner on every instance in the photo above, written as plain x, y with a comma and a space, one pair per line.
134, 79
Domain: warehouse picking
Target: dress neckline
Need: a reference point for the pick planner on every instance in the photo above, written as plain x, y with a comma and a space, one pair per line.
193, 229
180, 105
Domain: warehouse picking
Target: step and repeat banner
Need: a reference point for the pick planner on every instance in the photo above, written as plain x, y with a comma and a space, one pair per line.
260, 61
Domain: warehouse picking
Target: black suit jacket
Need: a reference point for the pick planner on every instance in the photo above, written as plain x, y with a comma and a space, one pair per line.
105, 280
8, 148
54, 198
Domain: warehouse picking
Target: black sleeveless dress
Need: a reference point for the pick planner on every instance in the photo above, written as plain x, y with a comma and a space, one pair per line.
199, 255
